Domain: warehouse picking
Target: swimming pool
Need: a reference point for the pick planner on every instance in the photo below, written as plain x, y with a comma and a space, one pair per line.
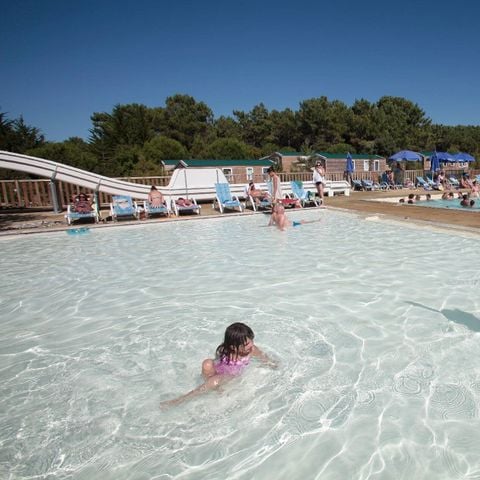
451, 204
435, 202
375, 327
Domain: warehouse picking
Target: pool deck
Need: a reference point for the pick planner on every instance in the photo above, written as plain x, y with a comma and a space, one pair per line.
29, 221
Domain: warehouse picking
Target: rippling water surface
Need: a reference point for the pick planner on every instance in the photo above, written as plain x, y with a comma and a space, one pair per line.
375, 327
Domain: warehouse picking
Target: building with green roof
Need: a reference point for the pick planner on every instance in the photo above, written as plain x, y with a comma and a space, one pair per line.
236, 171
333, 162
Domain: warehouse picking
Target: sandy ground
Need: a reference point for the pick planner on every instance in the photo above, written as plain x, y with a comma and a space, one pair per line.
24, 222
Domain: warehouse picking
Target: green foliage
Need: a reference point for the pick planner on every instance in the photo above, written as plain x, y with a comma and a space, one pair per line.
17, 136
133, 139
147, 168
74, 151
184, 118
228, 149
162, 148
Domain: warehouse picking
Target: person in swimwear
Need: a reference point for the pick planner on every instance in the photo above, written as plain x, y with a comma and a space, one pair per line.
280, 219
184, 202
319, 180
231, 359
82, 204
155, 198
257, 194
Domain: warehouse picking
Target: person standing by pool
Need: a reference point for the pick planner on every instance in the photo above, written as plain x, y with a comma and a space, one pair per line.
231, 359
277, 193
398, 174
319, 180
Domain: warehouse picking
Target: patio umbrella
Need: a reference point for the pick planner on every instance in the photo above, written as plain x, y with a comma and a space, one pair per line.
463, 157
349, 167
406, 155
445, 157
434, 163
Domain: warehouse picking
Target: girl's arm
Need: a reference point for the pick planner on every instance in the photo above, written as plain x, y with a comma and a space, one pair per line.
263, 357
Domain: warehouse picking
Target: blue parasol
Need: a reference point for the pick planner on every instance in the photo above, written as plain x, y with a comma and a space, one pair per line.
445, 157
434, 163
350, 167
463, 157
406, 155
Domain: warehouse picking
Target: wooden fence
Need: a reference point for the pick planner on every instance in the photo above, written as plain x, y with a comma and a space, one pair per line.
36, 193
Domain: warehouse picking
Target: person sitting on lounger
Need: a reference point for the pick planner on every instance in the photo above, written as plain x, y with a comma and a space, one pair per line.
184, 202
465, 182
257, 194
155, 198
82, 204
389, 178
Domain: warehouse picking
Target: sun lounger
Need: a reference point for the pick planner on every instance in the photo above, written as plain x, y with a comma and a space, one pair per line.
301, 194
72, 215
256, 203
357, 185
224, 198
422, 183
123, 206
454, 182
186, 206
150, 210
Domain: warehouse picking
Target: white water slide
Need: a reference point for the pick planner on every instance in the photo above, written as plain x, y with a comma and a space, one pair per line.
196, 182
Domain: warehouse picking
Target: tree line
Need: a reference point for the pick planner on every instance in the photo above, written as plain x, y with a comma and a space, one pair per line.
133, 139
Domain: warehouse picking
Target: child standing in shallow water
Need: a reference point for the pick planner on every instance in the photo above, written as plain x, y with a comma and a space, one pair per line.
231, 359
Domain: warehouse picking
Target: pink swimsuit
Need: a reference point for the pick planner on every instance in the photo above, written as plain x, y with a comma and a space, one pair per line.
234, 367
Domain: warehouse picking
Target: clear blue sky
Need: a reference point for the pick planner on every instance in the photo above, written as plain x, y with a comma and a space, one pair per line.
62, 60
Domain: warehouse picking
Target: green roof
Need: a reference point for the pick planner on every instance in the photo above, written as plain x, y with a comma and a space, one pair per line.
287, 153
220, 163
343, 156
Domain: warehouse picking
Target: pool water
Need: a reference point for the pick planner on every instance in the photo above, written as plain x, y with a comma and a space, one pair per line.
375, 327
451, 204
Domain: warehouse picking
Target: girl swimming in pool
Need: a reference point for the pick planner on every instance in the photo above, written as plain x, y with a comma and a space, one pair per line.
280, 220
231, 359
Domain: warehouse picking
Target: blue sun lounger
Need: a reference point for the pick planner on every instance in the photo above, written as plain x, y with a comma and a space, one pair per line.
301, 194
224, 198
179, 208
71, 215
150, 210
123, 206
423, 183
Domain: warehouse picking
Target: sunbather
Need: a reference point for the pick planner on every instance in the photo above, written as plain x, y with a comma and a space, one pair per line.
184, 202
82, 204
257, 194
465, 181
155, 197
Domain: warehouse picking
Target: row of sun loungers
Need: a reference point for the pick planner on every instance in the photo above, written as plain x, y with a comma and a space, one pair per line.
124, 207
225, 200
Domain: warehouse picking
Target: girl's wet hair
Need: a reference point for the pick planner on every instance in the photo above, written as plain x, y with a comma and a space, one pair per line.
236, 336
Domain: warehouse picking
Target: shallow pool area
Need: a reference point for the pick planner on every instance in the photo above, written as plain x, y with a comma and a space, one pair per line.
375, 328
450, 204
435, 202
